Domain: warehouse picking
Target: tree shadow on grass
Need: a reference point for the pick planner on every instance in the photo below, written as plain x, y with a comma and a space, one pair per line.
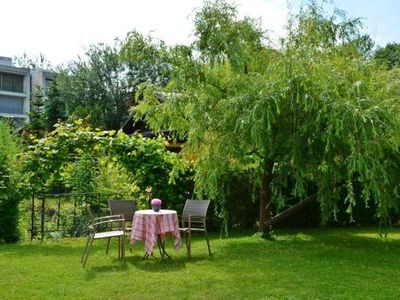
46, 249
116, 266
365, 239
356, 238
152, 264
156, 264
316, 245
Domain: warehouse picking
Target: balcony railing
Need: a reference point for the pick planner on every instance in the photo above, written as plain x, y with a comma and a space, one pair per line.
12, 90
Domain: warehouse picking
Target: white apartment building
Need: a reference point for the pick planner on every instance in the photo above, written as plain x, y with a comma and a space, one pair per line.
15, 90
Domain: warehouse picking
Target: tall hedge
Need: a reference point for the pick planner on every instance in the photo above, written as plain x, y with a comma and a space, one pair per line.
9, 198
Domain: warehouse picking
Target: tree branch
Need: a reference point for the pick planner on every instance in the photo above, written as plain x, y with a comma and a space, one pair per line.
290, 211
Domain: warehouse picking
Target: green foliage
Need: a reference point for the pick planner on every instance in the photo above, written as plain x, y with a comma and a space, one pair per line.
162, 174
113, 179
79, 176
146, 60
237, 207
101, 86
96, 87
389, 55
39, 62
64, 154
354, 117
75, 158
9, 184
315, 112
221, 37
54, 107
36, 123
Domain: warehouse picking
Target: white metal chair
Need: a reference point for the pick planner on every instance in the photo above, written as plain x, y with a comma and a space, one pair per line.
106, 228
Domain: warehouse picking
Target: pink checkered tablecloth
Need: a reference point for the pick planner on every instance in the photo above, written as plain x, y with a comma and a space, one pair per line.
148, 225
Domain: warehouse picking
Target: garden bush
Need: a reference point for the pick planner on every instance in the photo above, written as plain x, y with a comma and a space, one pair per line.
9, 179
76, 159
157, 171
113, 178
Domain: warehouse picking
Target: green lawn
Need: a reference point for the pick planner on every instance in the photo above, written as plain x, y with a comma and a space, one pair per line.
311, 264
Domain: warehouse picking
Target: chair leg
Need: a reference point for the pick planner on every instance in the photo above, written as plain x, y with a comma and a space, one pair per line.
129, 244
108, 245
208, 242
84, 250
189, 243
119, 248
123, 247
160, 247
87, 252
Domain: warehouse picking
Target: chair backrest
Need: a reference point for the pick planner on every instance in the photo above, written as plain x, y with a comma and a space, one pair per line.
123, 207
89, 212
195, 208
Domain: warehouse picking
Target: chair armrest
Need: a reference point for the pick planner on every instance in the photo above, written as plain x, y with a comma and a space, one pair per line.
108, 222
107, 218
120, 221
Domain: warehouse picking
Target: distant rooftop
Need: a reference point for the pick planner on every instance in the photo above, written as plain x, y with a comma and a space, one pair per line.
5, 61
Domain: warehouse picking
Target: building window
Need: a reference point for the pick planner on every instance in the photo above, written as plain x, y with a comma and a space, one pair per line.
47, 83
11, 105
11, 83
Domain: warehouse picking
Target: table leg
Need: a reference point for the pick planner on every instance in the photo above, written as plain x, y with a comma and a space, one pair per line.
161, 247
147, 255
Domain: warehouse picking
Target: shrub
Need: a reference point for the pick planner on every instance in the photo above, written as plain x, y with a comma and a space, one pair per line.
9, 194
75, 158
113, 179
79, 176
154, 169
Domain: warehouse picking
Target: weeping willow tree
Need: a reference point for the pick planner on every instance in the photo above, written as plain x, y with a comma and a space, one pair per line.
307, 120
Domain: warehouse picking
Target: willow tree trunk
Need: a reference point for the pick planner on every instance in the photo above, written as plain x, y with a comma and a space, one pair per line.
265, 196
292, 210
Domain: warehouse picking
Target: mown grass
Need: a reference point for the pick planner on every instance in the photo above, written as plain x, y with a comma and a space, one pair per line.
308, 264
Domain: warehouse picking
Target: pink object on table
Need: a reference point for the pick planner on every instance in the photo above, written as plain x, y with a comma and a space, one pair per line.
155, 201
148, 225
